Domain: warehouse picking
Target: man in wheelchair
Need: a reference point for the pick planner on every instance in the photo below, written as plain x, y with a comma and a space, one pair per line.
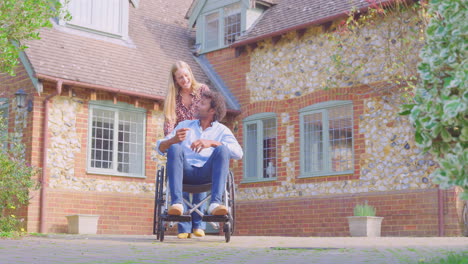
198, 152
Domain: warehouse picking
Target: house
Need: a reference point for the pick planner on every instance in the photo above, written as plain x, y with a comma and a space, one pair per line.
96, 91
95, 88
312, 154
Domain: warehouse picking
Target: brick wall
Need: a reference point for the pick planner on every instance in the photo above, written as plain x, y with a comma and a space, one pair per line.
119, 213
406, 213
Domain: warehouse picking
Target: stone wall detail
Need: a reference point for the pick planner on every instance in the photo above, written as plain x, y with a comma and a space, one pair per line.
65, 144
296, 66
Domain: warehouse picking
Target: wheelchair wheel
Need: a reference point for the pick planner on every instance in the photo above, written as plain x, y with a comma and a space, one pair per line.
227, 231
159, 203
161, 230
232, 204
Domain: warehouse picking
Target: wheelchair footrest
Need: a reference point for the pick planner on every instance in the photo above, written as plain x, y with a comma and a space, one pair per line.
177, 218
215, 218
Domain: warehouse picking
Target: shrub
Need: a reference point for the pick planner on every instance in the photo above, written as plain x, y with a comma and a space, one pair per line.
364, 210
16, 179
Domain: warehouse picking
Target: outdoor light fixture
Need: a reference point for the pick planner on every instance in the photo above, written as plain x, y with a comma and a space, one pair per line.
21, 100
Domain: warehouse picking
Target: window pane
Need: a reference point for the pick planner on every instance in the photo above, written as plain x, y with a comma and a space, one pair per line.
102, 133
269, 148
130, 143
212, 30
232, 28
313, 143
251, 151
341, 138
4, 125
102, 15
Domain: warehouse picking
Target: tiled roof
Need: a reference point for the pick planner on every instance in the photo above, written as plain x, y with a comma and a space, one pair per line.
293, 14
158, 36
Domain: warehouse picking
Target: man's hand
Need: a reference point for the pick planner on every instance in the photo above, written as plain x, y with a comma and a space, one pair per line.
179, 136
201, 144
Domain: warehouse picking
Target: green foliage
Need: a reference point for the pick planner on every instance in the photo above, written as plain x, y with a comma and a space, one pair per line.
440, 109
377, 48
19, 21
452, 258
364, 210
16, 180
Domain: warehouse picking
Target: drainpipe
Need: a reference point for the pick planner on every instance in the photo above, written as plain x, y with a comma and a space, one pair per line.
440, 199
45, 145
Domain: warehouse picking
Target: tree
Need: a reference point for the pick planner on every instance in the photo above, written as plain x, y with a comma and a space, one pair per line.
440, 110
20, 20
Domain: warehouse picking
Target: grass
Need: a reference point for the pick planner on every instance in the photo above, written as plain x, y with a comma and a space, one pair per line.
451, 258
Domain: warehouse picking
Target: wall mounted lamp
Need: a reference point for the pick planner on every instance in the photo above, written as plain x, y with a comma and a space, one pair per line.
21, 102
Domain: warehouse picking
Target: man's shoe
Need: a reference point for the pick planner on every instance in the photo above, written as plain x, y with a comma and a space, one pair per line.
176, 209
199, 232
183, 235
217, 209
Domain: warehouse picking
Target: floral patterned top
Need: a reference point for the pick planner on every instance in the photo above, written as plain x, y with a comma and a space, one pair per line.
183, 112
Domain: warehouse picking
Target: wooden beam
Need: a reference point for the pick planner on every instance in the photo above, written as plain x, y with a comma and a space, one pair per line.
115, 98
92, 95
156, 106
300, 33
275, 39
136, 103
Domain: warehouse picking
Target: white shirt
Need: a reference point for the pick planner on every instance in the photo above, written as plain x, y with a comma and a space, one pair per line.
217, 132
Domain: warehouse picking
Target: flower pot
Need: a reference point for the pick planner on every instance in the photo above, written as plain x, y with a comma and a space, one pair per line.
365, 226
82, 224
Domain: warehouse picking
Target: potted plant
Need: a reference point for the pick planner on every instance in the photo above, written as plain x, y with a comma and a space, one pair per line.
364, 223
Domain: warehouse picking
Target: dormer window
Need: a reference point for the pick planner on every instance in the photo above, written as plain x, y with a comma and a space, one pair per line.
222, 26
219, 23
107, 17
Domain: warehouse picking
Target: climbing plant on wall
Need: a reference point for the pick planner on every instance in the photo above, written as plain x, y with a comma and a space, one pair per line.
377, 47
440, 109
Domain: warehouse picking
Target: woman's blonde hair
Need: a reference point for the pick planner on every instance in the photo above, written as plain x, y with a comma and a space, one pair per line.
173, 89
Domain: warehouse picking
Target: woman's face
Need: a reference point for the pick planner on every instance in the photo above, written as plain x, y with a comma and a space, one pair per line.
182, 78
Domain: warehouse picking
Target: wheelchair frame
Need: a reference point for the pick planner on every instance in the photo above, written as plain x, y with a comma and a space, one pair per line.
161, 205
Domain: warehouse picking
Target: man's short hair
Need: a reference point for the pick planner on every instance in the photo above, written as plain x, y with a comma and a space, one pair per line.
217, 103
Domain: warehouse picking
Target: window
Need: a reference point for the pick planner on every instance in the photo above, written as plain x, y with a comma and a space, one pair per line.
260, 147
232, 23
327, 139
4, 122
212, 31
222, 26
116, 140
104, 16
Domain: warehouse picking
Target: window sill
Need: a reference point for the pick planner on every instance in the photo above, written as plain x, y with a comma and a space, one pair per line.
324, 174
116, 174
258, 180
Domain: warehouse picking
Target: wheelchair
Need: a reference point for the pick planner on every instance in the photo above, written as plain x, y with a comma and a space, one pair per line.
161, 205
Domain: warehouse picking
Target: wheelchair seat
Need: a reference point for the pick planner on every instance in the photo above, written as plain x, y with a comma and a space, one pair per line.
196, 188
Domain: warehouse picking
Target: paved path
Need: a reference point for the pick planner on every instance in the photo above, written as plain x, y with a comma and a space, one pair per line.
103, 249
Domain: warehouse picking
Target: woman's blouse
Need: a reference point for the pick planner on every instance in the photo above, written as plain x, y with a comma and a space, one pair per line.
183, 112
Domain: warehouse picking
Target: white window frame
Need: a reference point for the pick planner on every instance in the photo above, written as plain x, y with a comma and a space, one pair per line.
258, 119
221, 16
4, 112
122, 31
117, 108
323, 109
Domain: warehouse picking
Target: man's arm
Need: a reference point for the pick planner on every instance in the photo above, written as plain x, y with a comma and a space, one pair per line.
179, 136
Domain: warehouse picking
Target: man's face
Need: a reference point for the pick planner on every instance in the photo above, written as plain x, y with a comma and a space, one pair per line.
203, 109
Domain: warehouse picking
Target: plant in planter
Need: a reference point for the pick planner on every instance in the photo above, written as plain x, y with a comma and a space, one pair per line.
364, 223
